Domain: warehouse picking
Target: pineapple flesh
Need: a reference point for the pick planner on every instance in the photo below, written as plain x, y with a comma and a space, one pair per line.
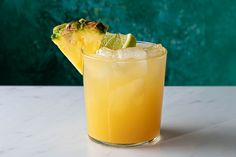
77, 37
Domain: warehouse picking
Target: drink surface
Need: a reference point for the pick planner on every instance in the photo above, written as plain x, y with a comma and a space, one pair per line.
123, 93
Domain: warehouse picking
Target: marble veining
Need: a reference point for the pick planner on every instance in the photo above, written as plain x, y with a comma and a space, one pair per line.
50, 122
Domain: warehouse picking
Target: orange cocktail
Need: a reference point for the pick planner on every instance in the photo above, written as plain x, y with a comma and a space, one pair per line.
124, 96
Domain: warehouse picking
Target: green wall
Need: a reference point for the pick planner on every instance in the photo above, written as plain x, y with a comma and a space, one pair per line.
200, 37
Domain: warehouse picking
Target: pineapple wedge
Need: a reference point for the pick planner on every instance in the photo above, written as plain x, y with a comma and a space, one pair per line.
77, 37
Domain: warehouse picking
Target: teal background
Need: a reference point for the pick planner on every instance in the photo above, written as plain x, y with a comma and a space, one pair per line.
200, 37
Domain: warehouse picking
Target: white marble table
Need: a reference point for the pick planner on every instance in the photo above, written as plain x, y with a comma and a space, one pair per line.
50, 122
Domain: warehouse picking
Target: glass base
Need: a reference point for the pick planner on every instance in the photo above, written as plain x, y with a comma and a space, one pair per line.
149, 142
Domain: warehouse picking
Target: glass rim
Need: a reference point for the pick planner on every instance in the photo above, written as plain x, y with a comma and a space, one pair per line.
91, 56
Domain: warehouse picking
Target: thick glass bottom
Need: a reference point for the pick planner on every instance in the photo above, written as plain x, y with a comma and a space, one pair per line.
149, 142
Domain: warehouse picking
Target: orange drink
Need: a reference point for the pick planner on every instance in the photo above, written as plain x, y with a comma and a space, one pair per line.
123, 94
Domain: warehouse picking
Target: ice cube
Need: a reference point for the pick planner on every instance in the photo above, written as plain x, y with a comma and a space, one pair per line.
145, 45
123, 70
130, 67
152, 49
130, 53
105, 52
122, 54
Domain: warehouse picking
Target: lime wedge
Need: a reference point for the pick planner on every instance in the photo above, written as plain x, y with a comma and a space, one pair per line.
118, 41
